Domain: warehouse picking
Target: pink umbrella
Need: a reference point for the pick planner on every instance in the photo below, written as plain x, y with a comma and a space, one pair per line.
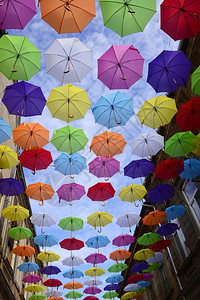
104, 167
70, 192
96, 258
123, 240
31, 279
92, 290
120, 67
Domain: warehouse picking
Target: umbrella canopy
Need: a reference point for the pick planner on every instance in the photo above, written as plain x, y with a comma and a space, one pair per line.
196, 151
139, 267
28, 267
169, 169
93, 281
113, 110
104, 167
52, 283
108, 144
139, 168
152, 267
120, 254
120, 67
40, 191
70, 164
69, 139
148, 238
168, 71
68, 16
195, 81
45, 240
15, 213
5, 131
154, 217
74, 273
90, 298
43, 220
149, 143
70, 192
48, 256
128, 17
112, 287
115, 268
72, 261
158, 256
175, 211
99, 219
143, 254
180, 19
123, 240
71, 244
95, 258
161, 193
191, 169
135, 278
34, 288
128, 220
24, 250
20, 233
131, 287
167, 229
56, 293
68, 103
93, 272
73, 295
23, 98
97, 242
101, 191
50, 270
37, 297
32, 278
130, 295
19, 58
132, 193
73, 285
110, 295
143, 283
8, 157
11, 187
55, 298
160, 245
148, 276
71, 223
115, 278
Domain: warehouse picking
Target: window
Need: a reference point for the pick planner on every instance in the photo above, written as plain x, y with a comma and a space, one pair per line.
164, 277
192, 196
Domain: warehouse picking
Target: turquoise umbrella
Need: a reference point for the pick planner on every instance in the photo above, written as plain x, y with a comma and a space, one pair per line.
5, 131
70, 164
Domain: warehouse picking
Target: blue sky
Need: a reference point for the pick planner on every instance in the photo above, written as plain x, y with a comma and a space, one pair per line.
98, 38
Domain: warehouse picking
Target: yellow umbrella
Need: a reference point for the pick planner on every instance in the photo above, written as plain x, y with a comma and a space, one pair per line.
93, 272
68, 103
196, 151
8, 157
132, 193
129, 295
15, 213
99, 219
34, 288
48, 256
157, 111
143, 254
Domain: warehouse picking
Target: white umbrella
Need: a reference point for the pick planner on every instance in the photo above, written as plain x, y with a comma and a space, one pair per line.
54, 293
128, 220
147, 144
158, 256
131, 287
93, 282
68, 60
43, 220
72, 261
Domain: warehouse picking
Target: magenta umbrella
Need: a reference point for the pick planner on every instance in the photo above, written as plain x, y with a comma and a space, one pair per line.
31, 278
93, 290
96, 258
148, 276
120, 67
104, 167
70, 192
123, 240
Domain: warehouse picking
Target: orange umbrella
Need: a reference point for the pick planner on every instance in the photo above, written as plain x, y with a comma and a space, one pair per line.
40, 191
31, 136
154, 217
24, 250
73, 285
120, 254
108, 144
67, 16
56, 298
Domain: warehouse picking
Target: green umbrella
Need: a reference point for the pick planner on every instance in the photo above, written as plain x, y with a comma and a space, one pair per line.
19, 233
195, 81
71, 223
19, 58
181, 143
110, 295
118, 268
37, 297
69, 139
152, 267
148, 238
141, 291
127, 16
73, 295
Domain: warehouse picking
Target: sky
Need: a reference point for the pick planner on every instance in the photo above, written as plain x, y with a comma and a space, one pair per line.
98, 38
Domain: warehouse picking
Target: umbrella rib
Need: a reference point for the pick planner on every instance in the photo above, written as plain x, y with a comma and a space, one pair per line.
15, 12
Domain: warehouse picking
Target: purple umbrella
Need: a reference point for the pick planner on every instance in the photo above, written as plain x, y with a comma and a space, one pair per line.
31, 278
104, 167
168, 71
50, 270
24, 99
120, 67
112, 287
167, 229
16, 14
140, 267
70, 192
161, 193
139, 168
93, 290
96, 258
11, 187
148, 276
123, 240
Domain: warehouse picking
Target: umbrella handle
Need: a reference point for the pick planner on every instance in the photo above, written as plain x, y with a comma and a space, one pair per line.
12, 70
72, 177
103, 204
195, 15
68, 64
123, 78
106, 179
41, 202
70, 203
116, 118
42, 231
100, 230
67, 8
131, 11
1, 4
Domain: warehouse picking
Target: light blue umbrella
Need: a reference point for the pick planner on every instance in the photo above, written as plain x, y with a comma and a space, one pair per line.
113, 110
5, 131
175, 211
69, 164
115, 278
97, 241
73, 274
46, 240
28, 267
191, 168
143, 283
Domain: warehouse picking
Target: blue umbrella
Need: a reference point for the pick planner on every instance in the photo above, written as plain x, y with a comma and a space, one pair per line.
158, 256
50, 270
143, 283
175, 211
28, 267
112, 287
113, 110
191, 168
11, 187
167, 229
73, 274
161, 193
139, 168
69, 164
97, 241
115, 278
45, 240
5, 131
140, 267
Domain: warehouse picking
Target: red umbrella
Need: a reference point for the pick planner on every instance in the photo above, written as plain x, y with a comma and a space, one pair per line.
35, 159
52, 283
180, 19
135, 278
101, 191
160, 245
91, 298
169, 168
71, 244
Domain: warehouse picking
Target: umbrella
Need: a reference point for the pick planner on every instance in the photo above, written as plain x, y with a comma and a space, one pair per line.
71, 244
115, 279
40, 191
149, 143
132, 193
148, 276
152, 267
16, 14
73, 285
101, 191
181, 144
68, 17
196, 151
128, 220
34, 288
72, 261
15, 213
52, 283
120, 67
28, 267
169, 169
99, 219
160, 245
191, 169
95, 258
48, 256
131, 287
139, 267
43, 220
175, 211
139, 168
32, 278
23, 98
161, 193
128, 17
167, 229
104, 167
11, 187
68, 103
24, 250
56, 293
148, 238
180, 20
30, 136
5, 131
120, 254
90, 298
115, 268
55, 297
20, 233
74, 273
168, 71
93, 272
108, 144
37, 297
129, 295
69, 139
123, 240
97, 242
93, 281
158, 256
45, 240
8, 157
35, 159
135, 278
143, 283
73, 295
157, 111
112, 287
143, 254
71, 223
154, 217
50, 270
70, 192
195, 82
19, 58
113, 110
69, 164
188, 117
110, 295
